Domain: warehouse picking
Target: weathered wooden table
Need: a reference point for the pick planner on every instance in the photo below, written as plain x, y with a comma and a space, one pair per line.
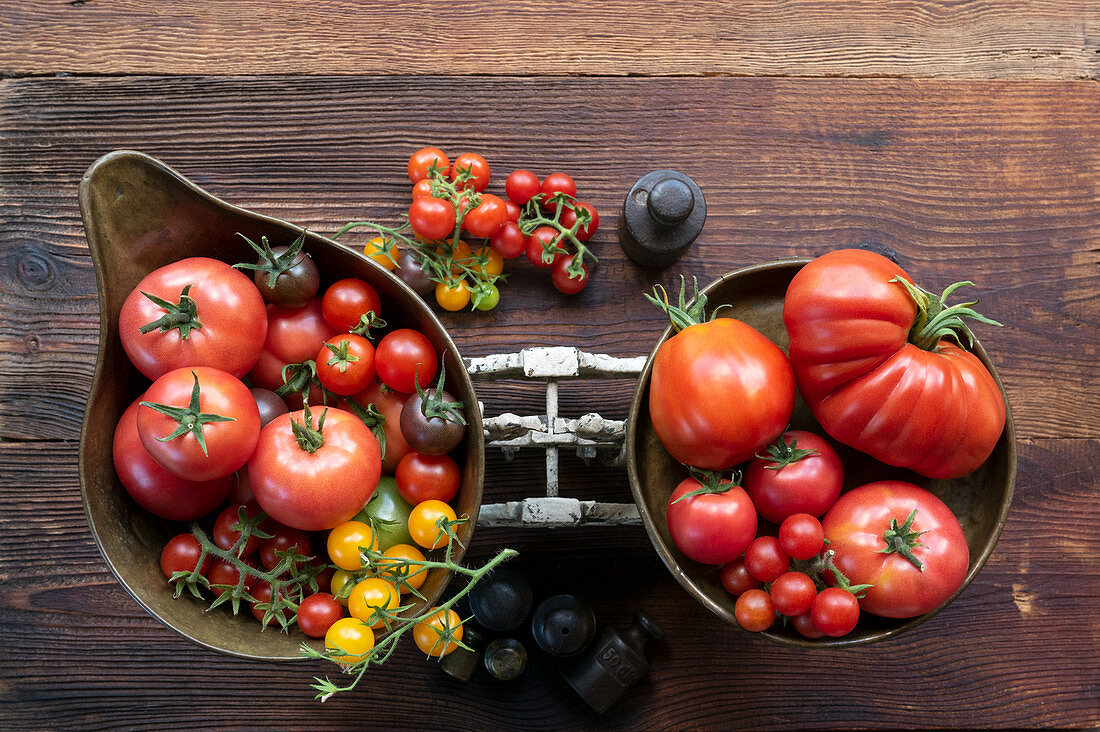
963, 136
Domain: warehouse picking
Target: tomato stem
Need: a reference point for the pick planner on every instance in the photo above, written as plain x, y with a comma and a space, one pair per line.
372, 418
273, 264
784, 454
183, 315
711, 481
683, 314
309, 438
433, 406
937, 320
190, 419
903, 540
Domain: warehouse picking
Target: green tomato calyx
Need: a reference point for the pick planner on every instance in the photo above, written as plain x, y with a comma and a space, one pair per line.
903, 540
937, 320
190, 419
783, 454
183, 315
711, 482
309, 438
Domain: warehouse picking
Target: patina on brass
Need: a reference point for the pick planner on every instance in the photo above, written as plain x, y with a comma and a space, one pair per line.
140, 215
981, 500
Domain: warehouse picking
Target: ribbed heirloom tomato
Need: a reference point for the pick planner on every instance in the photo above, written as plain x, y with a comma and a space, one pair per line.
873, 360
719, 390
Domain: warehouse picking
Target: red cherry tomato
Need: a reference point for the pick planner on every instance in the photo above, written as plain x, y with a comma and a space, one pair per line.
432, 218
222, 572
754, 611
564, 280
346, 301
262, 592
422, 161
765, 559
804, 624
155, 489
487, 217
283, 539
225, 330
317, 613
556, 183
835, 612
181, 554
225, 536
509, 241
711, 528
345, 364
569, 218
220, 431
421, 189
793, 593
406, 357
428, 477
801, 474
317, 490
537, 244
514, 211
521, 186
478, 171
736, 579
801, 536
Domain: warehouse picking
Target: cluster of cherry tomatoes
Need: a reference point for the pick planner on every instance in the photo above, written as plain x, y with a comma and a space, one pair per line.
542, 219
298, 449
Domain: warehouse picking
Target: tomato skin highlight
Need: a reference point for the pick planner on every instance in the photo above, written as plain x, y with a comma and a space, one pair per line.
711, 528
319, 490
229, 308
155, 489
855, 526
719, 392
938, 412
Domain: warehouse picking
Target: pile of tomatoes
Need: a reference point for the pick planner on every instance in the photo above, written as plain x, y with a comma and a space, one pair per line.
462, 234
881, 365
272, 415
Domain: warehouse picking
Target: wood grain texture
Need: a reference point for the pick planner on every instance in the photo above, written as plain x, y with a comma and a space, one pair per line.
996, 182
1029, 39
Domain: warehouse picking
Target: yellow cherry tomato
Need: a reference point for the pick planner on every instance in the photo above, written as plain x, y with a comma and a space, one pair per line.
345, 541
429, 633
452, 297
414, 573
488, 262
350, 636
423, 526
340, 578
370, 596
382, 251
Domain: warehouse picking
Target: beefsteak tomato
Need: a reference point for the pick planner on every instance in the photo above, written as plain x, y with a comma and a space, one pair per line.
874, 364
902, 540
719, 390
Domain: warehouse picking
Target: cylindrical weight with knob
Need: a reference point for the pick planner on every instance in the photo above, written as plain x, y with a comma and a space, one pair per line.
614, 664
661, 216
563, 625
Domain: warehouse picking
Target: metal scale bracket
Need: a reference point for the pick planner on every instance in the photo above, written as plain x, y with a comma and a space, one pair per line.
591, 435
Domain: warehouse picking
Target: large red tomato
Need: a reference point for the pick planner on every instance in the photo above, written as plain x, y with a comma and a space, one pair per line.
199, 423
904, 395
194, 312
154, 488
719, 392
313, 475
711, 528
903, 541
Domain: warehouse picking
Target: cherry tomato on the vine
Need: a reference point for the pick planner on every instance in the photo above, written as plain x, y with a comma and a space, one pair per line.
382, 252
262, 593
283, 539
514, 211
509, 241
424, 523
569, 218
345, 364
793, 593
431, 217
371, 595
431, 634
478, 171
223, 575
421, 162
181, 554
566, 283
421, 189
553, 184
345, 542
804, 624
487, 217
485, 296
452, 296
225, 536
428, 477
754, 611
352, 637
537, 244
521, 186
414, 574
736, 579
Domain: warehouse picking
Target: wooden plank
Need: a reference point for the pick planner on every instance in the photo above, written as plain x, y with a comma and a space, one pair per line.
995, 182
1012, 651
1017, 39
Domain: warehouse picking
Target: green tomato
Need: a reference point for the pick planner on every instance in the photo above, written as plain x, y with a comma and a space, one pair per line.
486, 296
388, 513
